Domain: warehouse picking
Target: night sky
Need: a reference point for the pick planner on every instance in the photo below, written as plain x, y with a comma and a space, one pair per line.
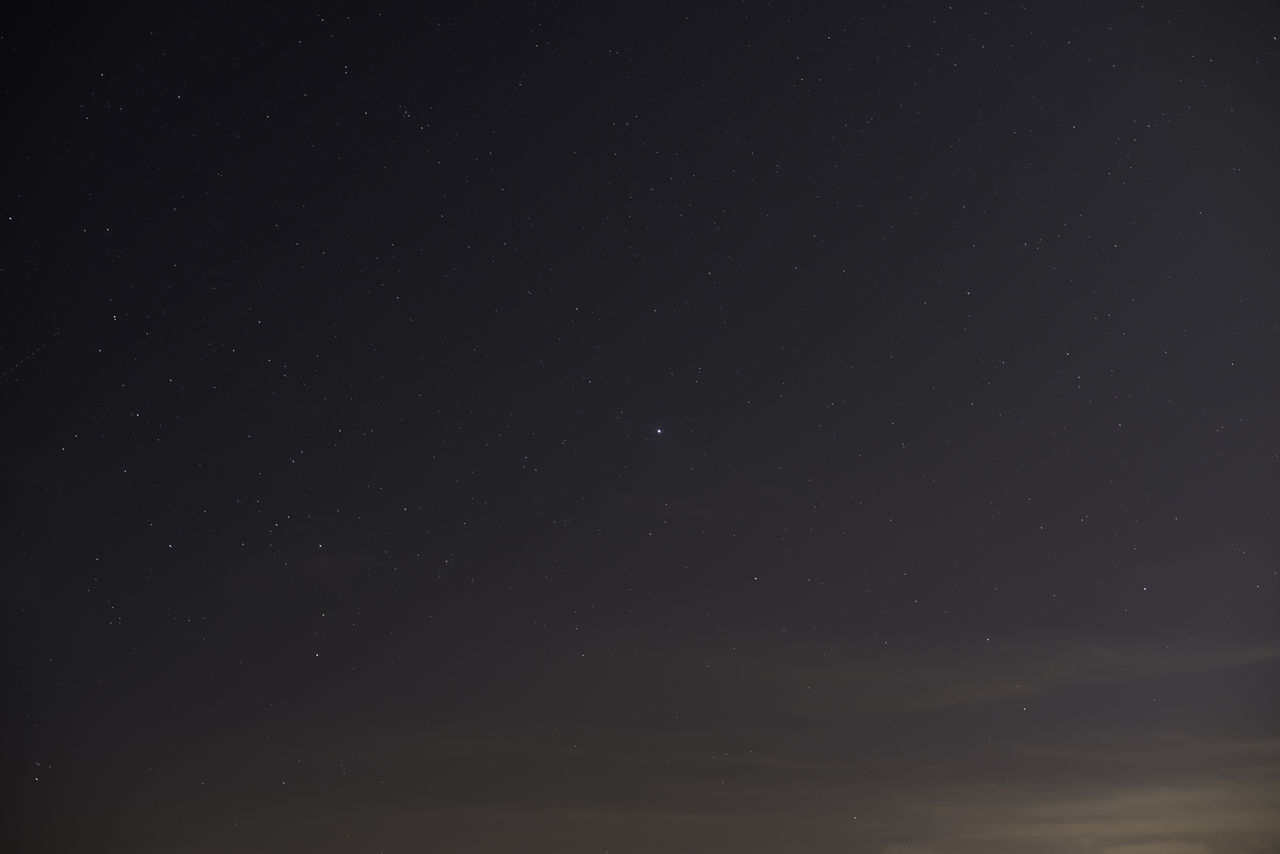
556, 428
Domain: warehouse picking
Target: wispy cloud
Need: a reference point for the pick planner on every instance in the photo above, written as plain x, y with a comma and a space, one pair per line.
1031, 748
1201, 815
1162, 847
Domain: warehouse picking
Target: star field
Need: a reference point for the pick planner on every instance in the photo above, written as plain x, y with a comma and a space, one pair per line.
544, 428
